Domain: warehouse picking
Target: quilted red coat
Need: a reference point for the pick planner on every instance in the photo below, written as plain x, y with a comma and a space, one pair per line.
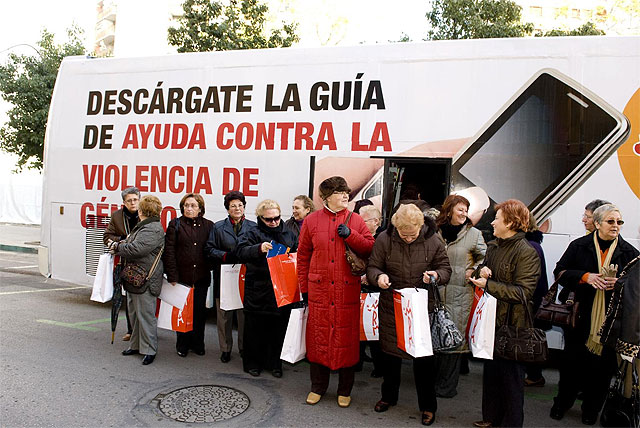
334, 293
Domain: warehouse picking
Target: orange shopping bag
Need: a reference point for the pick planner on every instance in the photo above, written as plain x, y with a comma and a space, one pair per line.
172, 318
284, 278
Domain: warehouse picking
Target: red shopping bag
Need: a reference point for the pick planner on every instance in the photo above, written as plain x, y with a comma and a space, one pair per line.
284, 278
172, 318
477, 295
369, 328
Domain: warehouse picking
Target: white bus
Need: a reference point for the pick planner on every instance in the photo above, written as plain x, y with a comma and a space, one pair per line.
553, 122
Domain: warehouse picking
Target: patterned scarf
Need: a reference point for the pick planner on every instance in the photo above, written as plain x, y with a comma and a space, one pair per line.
598, 309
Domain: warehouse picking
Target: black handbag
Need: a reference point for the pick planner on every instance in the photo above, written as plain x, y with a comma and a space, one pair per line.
551, 313
522, 344
618, 410
357, 264
134, 277
445, 336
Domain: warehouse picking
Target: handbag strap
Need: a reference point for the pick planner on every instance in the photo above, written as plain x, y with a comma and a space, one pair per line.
552, 294
523, 302
347, 223
155, 263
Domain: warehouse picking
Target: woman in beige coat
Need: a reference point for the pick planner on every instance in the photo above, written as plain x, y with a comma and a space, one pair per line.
465, 248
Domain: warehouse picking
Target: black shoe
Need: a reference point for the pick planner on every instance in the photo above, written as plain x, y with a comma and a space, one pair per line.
199, 352
182, 353
225, 357
382, 406
277, 373
148, 359
254, 372
557, 412
428, 418
130, 352
375, 373
589, 418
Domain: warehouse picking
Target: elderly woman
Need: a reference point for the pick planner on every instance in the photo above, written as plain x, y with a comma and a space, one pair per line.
222, 241
185, 262
510, 274
143, 247
265, 323
406, 255
465, 248
589, 267
333, 339
302, 207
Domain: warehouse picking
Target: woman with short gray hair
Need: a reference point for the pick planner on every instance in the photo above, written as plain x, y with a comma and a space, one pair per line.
589, 267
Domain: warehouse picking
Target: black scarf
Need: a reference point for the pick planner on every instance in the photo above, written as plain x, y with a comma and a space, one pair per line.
450, 232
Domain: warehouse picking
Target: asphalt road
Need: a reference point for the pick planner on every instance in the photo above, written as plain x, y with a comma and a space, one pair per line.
59, 369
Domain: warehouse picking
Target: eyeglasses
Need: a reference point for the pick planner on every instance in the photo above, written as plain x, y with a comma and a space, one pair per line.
271, 219
371, 219
191, 206
340, 193
612, 222
131, 200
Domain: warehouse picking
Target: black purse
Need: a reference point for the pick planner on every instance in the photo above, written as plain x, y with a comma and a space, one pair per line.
551, 313
618, 410
445, 336
522, 344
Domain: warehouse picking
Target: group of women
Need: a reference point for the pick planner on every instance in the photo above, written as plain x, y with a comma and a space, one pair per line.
412, 251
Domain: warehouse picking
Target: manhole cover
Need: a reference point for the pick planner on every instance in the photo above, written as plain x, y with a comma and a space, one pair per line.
205, 403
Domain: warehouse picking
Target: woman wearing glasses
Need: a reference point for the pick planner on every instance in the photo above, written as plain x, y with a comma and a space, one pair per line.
589, 267
333, 334
265, 324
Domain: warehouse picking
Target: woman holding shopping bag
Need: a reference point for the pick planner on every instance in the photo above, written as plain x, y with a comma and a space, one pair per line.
185, 262
407, 254
510, 272
143, 248
465, 248
333, 292
265, 324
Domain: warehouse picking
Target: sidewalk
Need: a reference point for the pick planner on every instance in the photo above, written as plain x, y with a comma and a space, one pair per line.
23, 238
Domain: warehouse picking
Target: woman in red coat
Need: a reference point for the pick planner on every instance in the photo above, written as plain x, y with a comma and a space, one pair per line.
333, 293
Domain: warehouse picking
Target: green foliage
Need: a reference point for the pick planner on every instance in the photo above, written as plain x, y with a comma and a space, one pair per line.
27, 83
208, 25
588, 29
476, 19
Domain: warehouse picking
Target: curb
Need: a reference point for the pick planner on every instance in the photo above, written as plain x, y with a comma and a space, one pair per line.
18, 249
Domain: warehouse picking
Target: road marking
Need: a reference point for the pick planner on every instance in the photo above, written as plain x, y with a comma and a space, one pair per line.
21, 267
77, 325
39, 291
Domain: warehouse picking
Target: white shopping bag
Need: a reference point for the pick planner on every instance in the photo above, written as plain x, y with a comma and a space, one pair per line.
411, 309
231, 287
482, 326
294, 347
175, 295
369, 328
103, 283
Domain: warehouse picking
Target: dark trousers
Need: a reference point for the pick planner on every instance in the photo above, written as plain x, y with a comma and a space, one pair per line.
320, 379
194, 339
447, 374
263, 338
580, 369
374, 347
126, 312
423, 377
534, 371
503, 393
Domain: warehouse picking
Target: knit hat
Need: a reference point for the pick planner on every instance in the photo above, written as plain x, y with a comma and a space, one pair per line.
331, 185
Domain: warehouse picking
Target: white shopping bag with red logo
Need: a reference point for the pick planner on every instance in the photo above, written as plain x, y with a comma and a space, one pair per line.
232, 286
369, 328
411, 308
176, 319
482, 325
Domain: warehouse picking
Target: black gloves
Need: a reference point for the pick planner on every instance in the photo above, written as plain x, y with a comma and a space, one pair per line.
230, 258
344, 231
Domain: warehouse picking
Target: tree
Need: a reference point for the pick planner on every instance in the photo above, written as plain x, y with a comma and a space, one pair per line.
588, 29
27, 83
476, 19
209, 25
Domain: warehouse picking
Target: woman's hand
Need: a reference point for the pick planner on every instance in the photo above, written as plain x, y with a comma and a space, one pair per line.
426, 277
468, 273
485, 273
479, 282
265, 247
383, 281
598, 282
173, 284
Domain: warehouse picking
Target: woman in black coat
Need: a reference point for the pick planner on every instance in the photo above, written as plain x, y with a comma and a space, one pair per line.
265, 323
590, 266
185, 263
